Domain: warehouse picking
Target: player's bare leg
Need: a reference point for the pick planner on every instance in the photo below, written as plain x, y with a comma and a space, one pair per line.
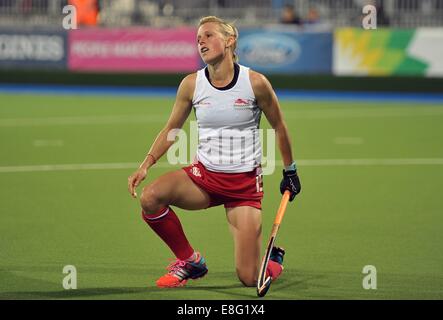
174, 188
245, 225
177, 189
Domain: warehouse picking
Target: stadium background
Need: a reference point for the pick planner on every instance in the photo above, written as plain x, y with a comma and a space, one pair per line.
79, 108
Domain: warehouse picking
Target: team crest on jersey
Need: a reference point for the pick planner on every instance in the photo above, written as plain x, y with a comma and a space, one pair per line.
196, 172
242, 102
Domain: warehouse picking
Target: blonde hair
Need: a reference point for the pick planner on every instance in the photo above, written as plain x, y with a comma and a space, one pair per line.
228, 29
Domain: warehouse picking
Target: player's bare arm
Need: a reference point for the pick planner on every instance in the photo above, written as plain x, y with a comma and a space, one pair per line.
180, 112
268, 102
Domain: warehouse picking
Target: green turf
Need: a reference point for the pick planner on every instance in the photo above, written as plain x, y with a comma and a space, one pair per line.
389, 216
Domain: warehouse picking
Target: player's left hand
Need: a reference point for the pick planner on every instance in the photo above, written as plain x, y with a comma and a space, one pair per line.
290, 182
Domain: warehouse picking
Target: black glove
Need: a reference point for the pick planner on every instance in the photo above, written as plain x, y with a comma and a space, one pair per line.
290, 182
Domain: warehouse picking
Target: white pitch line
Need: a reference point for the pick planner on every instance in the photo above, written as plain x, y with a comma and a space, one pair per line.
363, 113
68, 167
87, 120
371, 162
300, 163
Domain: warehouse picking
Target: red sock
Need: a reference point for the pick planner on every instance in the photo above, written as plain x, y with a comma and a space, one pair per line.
274, 269
168, 227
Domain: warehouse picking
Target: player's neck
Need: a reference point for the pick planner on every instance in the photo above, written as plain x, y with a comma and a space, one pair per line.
221, 74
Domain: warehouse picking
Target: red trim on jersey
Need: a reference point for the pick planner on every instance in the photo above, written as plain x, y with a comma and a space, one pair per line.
230, 189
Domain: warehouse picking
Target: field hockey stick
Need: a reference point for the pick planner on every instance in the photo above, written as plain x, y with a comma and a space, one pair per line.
264, 282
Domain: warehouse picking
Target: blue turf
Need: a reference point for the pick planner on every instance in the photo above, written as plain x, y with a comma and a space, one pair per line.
170, 93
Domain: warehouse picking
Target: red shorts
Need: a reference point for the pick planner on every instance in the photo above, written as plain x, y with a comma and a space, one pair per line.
230, 189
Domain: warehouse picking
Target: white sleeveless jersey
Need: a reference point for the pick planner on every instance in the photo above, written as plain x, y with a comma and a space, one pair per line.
228, 124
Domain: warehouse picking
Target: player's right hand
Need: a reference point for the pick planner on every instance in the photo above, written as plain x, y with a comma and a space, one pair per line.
135, 179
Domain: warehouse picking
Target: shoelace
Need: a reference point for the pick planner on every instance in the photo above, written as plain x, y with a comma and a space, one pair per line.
177, 269
175, 266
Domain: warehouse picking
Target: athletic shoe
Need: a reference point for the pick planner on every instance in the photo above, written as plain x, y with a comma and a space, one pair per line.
180, 271
275, 264
277, 255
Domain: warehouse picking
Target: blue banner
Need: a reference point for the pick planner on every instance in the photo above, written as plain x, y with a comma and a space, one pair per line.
271, 51
33, 49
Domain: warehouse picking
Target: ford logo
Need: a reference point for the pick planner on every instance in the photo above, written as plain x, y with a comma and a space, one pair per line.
269, 50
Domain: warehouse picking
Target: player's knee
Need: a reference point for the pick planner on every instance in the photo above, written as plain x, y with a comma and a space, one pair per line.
246, 278
150, 200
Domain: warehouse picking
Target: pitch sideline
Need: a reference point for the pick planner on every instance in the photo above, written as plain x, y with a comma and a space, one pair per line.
300, 163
